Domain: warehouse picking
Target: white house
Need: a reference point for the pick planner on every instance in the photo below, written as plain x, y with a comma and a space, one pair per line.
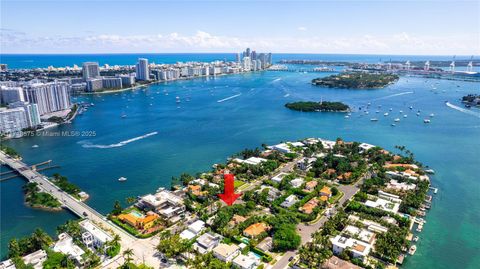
251, 160
358, 248
365, 147
66, 246
246, 262
206, 242
36, 258
193, 230
296, 183
225, 252
278, 178
291, 200
383, 204
92, 235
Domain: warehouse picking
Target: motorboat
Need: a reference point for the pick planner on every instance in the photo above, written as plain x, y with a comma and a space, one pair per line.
432, 115
412, 250
121, 179
426, 121
373, 119
405, 115
396, 120
386, 114
35, 146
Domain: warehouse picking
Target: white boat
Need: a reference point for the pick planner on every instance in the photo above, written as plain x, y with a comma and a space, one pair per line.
391, 109
346, 117
418, 113
405, 115
386, 114
412, 250
415, 239
432, 115
366, 112
411, 107
177, 99
396, 120
430, 171
401, 111
35, 146
377, 111
124, 116
426, 121
373, 119
393, 124
121, 179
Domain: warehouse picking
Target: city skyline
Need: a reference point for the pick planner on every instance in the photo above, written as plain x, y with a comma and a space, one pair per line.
350, 27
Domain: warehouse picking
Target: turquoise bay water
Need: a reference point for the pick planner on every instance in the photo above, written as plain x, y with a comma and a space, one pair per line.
197, 133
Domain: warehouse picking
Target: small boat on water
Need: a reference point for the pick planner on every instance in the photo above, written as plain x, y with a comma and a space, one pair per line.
396, 120
412, 250
386, 114
373, 119
426, 121
405, 115
121, 179
346, 117
366, 112
35, 146
430, 171
393, 125
377, 111
411, 107
177, 99
391, 109
418, 113
415, 239
432, 115
123, 116
401, 111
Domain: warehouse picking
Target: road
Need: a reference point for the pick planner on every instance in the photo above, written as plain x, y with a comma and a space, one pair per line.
143, 249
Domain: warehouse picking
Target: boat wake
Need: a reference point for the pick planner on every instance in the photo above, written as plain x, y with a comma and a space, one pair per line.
464, 110
228, 98
86, 144
286, 95
393, 95
277, 79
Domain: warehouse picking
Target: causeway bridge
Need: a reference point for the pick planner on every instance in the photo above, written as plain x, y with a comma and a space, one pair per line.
143, 249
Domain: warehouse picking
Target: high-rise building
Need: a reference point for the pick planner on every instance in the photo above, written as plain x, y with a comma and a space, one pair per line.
90, 70
94, 84
10, 95
111, 82
49, 97
12, 121
247, 53
253, 55
247, 63
31, 112
237, 58
141, 69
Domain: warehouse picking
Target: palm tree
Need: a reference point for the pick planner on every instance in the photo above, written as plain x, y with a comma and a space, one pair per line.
41, 239
130, 200
127, 255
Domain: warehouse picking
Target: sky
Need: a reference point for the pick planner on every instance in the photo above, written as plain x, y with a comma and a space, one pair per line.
442, 27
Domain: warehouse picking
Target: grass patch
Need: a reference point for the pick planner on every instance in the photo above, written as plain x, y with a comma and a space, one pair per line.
238, 183
335, 198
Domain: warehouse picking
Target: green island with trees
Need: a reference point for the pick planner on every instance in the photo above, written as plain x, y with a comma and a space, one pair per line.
323, 106
37, 199
66, 186
356, 80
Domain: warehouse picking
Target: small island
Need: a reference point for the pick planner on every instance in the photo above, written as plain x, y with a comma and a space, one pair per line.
38, 199
318, 106
356, 80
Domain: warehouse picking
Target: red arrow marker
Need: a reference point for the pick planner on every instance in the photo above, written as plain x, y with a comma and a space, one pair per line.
228, 195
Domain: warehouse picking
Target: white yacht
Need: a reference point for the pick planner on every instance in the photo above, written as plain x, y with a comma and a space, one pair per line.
386, 114
121, 179
396, 120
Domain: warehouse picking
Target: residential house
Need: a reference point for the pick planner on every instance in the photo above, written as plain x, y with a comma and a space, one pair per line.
35, 259
93, 236
358, 248
66, 246
226, 253
310, 186
309, 206
206, 242
249, 261
255, 229
336, 263
289, 201
236, 219
326, 191
266, 244
297, 182
193, 230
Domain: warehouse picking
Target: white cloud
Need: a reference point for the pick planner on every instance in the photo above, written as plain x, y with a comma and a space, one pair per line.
401, 43
302, 28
